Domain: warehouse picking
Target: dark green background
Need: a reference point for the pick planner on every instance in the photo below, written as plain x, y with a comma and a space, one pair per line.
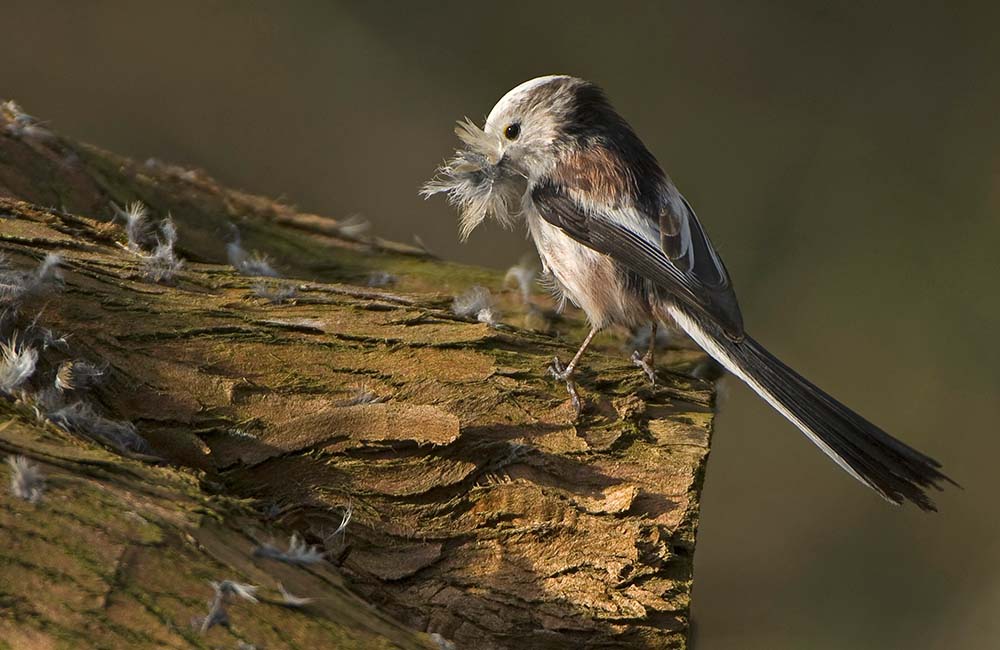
845, 160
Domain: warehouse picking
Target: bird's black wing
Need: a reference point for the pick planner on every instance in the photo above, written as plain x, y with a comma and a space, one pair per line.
682, 262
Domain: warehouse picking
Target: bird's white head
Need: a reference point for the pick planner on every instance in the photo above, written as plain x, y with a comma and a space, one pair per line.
519, 143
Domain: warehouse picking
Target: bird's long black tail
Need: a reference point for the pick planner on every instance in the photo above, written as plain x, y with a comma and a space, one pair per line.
888, 466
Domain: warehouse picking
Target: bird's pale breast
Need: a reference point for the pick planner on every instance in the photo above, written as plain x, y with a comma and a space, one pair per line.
591, 280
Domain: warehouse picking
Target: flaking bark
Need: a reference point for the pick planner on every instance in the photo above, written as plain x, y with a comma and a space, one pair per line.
482, 510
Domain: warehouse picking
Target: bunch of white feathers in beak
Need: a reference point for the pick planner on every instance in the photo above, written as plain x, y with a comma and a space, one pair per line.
477, 180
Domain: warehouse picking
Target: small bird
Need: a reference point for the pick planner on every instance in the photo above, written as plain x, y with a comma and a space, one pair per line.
618, 240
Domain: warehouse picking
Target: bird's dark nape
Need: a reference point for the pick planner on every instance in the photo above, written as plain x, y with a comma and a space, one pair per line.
892, 468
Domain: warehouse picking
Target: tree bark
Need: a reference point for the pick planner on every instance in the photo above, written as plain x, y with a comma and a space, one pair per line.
483, 509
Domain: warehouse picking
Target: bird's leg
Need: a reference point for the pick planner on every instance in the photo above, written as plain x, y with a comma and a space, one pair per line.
646, 362
566, 374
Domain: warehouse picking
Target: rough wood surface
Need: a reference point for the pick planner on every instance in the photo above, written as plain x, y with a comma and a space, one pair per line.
482, 509
119, 554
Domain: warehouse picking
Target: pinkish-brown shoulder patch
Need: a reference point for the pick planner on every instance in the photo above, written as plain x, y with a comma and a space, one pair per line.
598, 172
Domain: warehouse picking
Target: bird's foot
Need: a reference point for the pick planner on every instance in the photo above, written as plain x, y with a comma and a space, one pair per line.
560, 372
565, 374
646, 363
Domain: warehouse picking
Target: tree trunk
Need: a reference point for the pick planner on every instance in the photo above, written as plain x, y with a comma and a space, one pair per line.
482, 509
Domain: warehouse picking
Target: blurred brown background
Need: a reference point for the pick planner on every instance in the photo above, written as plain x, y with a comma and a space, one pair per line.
845, 160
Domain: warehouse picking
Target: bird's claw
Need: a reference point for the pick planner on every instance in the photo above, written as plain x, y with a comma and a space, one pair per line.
565, 374
557, 370
644, 363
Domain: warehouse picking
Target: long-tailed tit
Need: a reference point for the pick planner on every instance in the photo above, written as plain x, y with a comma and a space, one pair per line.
622, 244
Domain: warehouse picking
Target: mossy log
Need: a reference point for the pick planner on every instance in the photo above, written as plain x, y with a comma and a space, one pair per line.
483, 509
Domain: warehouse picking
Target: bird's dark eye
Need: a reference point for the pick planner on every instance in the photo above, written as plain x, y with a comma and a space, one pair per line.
512, 131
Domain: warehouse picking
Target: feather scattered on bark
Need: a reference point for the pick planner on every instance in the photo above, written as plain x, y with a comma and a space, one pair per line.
224, 592
17, 363
26, 479
254, 263
523, 277
163, 264
16, 285
276, 293
233, 588
354, 227
380, 279
478, 302
299, 552
472, 301
21, 125
138, 229
490, 316
77, 375
45, 338
341, 530
80, 417
361, 395
288, 599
